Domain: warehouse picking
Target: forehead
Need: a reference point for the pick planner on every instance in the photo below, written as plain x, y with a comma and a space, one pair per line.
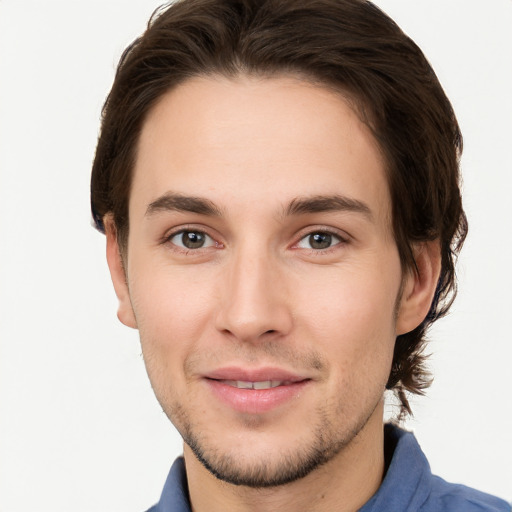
259, 141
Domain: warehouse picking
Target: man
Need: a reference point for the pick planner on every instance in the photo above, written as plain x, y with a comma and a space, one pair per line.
278, 183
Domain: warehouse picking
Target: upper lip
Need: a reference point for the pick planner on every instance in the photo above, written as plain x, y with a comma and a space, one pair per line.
254, 374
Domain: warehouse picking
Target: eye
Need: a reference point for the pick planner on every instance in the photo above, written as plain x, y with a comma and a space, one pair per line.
319, 240
188, 239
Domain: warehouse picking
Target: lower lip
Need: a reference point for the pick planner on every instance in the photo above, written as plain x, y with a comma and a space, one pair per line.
256, 401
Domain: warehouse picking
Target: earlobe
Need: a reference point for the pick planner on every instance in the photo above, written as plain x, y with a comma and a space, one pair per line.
117, 272
419, 287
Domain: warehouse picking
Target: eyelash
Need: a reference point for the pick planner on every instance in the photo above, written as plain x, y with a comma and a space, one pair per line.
341, 240
167, 239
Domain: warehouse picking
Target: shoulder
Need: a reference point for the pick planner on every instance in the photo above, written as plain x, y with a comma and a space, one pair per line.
410, 485
445, 496
174, 497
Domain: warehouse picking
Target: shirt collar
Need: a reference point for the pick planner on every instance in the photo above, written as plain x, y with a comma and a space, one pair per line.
405, 487
407, 482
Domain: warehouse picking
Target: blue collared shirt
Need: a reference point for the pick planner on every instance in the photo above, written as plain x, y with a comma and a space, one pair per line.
408, 486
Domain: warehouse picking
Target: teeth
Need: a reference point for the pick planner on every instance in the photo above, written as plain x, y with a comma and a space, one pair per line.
264, 384
241, 384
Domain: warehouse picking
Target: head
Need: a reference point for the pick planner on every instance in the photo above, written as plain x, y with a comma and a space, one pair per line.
345, 50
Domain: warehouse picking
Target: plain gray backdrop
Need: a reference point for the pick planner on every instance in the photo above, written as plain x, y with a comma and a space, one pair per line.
80, 429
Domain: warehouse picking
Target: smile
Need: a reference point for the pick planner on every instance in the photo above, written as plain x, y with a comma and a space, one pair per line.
264, 384
250, 394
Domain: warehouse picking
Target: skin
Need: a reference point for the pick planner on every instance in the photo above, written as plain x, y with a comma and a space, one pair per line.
262, 293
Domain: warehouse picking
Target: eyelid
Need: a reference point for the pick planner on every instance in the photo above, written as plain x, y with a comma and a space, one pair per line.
170, 234
342, 236
208, 240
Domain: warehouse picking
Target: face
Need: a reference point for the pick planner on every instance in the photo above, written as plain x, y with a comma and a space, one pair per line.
261, 273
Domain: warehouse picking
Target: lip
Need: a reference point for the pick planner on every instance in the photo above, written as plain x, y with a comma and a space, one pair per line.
255, 401
254, 374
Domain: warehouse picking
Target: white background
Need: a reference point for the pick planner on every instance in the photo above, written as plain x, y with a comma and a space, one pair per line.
80, 429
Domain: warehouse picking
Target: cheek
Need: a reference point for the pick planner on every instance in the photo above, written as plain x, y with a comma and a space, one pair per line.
172, 310
172, 319
353, 303
360, 350
351, 316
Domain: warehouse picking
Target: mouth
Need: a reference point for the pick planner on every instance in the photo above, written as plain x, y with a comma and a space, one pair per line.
262, 384
256, 391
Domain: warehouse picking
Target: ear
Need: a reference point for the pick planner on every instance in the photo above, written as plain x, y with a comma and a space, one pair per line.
117, 273
419, 287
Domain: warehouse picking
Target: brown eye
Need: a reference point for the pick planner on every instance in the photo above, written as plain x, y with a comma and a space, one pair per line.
191, 240
319, 240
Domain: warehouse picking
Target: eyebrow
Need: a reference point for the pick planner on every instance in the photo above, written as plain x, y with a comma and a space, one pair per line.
171, 201
334, 203
177, 202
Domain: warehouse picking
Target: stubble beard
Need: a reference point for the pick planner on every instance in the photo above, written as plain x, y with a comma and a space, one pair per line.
327, 441
337, 425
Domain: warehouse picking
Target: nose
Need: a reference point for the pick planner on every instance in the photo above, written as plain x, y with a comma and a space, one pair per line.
254, 301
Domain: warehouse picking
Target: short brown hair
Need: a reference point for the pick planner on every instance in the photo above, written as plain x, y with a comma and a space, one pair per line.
350, 45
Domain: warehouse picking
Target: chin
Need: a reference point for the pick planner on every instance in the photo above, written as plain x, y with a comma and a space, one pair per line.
265, 460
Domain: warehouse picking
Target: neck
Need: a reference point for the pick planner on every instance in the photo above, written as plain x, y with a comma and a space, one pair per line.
344, 484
